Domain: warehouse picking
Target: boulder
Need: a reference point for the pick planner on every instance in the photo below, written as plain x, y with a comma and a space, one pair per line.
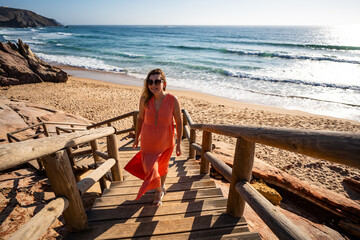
19, 65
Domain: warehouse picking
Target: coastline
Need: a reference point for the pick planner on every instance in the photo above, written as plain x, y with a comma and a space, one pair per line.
125, 80
99, 100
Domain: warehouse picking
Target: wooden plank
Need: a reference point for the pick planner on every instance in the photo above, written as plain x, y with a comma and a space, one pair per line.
185, 196
338, 147
37, 225
172, 187
128, 176
238, 232
13, 154
210, 224
271, 215
195, 178
135, 211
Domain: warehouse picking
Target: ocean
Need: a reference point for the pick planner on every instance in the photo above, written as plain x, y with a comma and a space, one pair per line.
312, 69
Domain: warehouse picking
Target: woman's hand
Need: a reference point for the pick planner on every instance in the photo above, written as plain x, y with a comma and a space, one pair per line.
178, 149
135, 143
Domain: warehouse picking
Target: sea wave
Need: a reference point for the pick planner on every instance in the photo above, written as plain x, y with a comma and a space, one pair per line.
267, 54
82, 62
296, 45
292, 81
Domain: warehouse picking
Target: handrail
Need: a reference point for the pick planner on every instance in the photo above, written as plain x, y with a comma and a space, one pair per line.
13, 154
339, 147
11, 136
38, 224
133, 113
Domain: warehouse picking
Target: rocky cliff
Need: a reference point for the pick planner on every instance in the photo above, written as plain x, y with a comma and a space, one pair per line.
19, 18
19, 65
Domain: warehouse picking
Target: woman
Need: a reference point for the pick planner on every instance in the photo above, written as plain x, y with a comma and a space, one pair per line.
155, 127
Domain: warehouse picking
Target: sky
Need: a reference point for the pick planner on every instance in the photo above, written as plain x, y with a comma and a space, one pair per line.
195, 12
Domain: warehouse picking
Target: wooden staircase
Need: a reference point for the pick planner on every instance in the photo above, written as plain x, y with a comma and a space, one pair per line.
193, 208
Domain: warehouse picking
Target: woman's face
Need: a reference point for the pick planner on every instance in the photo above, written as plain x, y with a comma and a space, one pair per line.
155, 89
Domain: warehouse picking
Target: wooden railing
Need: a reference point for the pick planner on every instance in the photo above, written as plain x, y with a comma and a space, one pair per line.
45, 130
333, 146
339, 147
58, 169
109, 122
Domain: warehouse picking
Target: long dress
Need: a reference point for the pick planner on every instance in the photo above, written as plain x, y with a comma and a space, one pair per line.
157, 144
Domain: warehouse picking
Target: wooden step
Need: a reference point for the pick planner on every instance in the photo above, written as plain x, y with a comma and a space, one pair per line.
171, 187
183, 196
134, 211
138, 182
128, 176
190, 227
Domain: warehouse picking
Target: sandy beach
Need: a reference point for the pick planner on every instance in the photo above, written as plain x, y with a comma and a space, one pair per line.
98, 100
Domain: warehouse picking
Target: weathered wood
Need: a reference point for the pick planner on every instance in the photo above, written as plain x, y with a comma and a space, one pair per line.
194, 227
81, 153
186, 130
339, 147
32, 136
58, 129
11, 137
37, 225
326, 199
196, 147
352, 183
188, 117
206, 147
349, 227
180, 196
132, 211
93, 177
102, 154
172, 187
13, 154
23, 129
271, 215
72, 129
67, 123
113, 119
184, 124
241, 171
125, 131
46, 130
191, 141
138, 182
112, 149
219, 165
62, 180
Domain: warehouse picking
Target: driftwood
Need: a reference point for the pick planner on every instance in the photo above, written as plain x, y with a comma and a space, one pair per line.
326, 199
352, 183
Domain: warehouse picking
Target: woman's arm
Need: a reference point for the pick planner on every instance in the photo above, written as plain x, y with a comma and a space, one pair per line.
179, 125
139, 122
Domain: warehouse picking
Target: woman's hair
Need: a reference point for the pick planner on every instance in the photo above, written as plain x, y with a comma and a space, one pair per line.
146, 93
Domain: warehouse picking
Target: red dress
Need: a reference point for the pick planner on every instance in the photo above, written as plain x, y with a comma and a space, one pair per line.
157, 144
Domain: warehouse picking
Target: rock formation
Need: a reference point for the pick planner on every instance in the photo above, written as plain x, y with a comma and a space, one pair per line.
19, 18
19, 65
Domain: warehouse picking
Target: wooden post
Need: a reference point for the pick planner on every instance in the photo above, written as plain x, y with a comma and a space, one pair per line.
62, 180
241, 171
94, 147
184, 124
206, 147
46, 131
135, 121
112, 149
192, 151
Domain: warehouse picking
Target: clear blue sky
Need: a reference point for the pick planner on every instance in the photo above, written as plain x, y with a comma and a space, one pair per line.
195, 12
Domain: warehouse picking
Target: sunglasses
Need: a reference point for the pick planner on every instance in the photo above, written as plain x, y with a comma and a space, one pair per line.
151, 82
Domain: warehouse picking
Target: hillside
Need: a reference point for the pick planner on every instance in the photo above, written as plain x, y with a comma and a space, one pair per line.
19, 18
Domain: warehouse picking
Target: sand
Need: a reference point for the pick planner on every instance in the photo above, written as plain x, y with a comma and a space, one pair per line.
98, 100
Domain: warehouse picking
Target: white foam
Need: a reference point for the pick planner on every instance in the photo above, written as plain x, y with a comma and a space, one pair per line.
82, 62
